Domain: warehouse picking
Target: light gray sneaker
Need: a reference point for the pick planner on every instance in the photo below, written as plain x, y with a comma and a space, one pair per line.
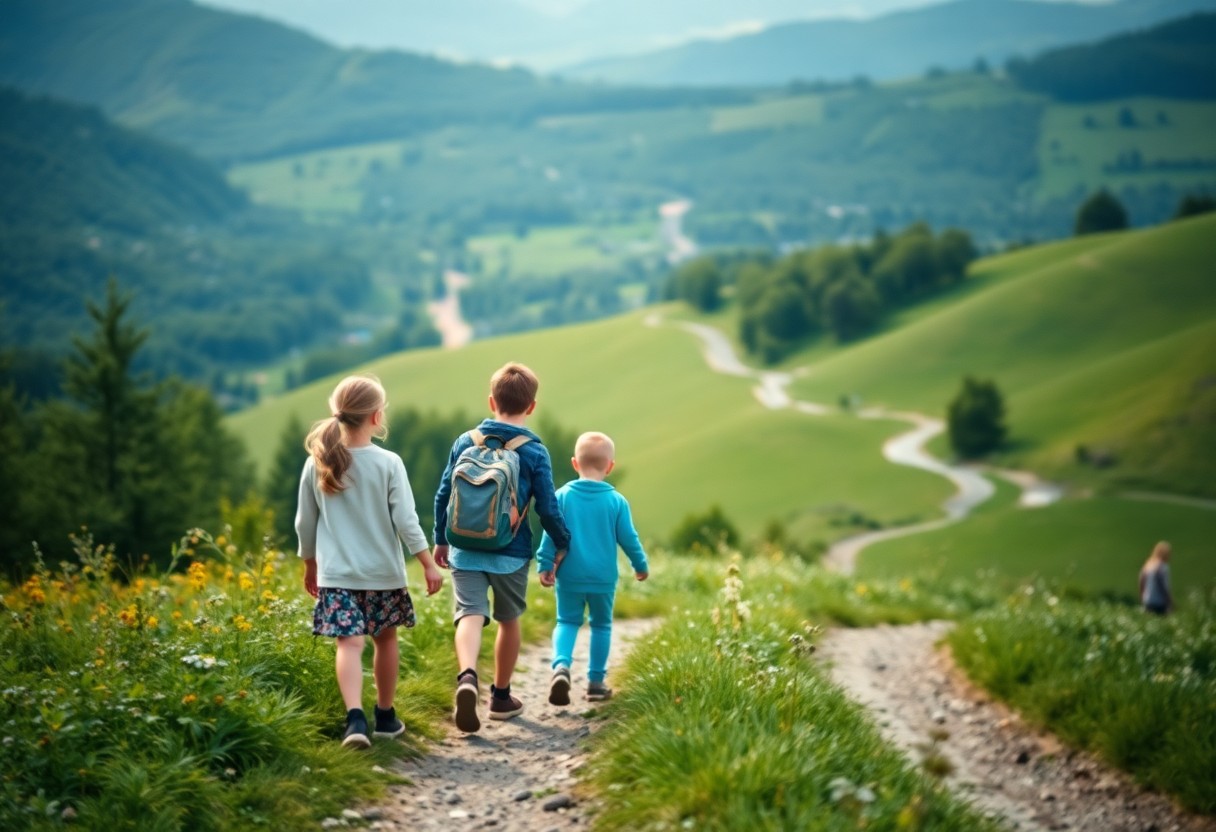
559, 686
598, 692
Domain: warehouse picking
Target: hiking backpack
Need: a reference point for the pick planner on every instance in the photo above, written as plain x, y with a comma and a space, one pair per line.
483, 509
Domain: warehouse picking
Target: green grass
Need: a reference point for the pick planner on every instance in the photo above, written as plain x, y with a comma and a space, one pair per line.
731, 698
777, 113
1072, 157
321, 183
686, 438
1138, 690
1103, 341
1094, 545
548, 252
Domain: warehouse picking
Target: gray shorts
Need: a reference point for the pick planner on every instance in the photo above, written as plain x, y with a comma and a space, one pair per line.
471, 589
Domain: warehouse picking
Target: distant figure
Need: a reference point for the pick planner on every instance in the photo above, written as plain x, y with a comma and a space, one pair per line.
356, 509
599, 521
1155, 581
496, 565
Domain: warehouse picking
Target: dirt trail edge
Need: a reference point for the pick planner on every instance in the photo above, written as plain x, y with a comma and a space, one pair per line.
1005, 767
520, 774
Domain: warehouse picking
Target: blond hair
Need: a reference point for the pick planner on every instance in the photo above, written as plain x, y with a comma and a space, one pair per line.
355, 400
594, 450
513, 387
1160, 553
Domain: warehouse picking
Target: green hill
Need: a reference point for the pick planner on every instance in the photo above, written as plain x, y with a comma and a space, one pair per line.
1107, 342
1176, 59
238, 86
219, 283
686, 438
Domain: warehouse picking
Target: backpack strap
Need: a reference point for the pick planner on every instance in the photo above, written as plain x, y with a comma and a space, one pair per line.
517, 442
479, 438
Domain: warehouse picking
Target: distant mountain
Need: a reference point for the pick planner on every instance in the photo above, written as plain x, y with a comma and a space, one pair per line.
897, 45
1177, 60
233, 86
542, 34
66, 165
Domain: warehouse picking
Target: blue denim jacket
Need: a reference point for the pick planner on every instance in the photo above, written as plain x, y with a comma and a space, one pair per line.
535, 483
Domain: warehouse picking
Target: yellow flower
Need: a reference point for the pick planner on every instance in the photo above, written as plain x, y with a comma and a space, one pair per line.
241, 623
268, 571
263, 609
229, 574
151, 621
102, 609
220, 541
862, 589
189, 699
267, 595
218, 699
246, 581
140, 584
188, 626
198, 575
176, 615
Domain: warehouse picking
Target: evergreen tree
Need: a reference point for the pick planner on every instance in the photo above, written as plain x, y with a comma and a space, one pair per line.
1192, 205
282, 483
976, 418
1101, 212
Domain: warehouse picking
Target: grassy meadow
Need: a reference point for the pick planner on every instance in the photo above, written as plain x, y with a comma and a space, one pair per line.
685, 437
1092, 545
1102, 341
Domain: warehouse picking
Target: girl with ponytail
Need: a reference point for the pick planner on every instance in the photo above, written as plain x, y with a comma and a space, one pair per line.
356, 510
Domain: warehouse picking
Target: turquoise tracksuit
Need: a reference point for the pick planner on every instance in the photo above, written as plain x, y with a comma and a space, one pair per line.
599, 520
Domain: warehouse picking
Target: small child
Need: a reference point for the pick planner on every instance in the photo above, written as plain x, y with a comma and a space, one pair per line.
355, 510
503, 571
599, 521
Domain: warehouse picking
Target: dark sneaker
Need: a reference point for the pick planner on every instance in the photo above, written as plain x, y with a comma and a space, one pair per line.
387, 724
467, 694
356, 730
501, 708
598, 692
559, 686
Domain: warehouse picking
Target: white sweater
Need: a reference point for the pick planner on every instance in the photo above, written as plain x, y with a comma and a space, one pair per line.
356, 534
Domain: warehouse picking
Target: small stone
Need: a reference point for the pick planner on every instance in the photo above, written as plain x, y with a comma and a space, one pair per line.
380, 769
1046, 796
561, 801
939, 717
331, 823
458, 814
522, 795
351, 814
452, 799
374, 813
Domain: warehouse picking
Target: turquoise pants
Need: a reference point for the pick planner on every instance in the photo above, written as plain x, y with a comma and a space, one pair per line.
570, 609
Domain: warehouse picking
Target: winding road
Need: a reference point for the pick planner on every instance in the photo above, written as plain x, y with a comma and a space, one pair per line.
907, 448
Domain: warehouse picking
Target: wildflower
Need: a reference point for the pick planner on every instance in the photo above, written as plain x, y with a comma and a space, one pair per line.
129, 616
218, 699
220, 541
241, 623
229, 574
151, 621
267, 595
140, 584
198, 575
268, 571
189, 699
176, 615
862, 590
246, 581
242, 693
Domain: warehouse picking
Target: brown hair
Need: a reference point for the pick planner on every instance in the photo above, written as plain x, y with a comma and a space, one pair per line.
352, 403
514, 388
594, 450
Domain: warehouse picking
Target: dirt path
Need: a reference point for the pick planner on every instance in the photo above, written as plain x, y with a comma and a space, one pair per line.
1006, 767
521, 774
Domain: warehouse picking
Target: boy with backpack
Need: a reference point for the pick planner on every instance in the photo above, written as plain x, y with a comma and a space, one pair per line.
481, 533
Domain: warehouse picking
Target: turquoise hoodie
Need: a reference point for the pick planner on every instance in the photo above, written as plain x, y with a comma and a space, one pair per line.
599, 520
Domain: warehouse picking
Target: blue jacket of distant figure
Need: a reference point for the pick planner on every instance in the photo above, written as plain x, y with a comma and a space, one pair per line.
599, 520
535, 482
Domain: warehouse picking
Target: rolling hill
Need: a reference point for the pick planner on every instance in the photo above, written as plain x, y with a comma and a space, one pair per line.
236, 86
1107, 342
896, 45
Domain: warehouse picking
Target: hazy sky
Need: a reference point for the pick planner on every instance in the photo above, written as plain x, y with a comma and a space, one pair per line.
543, 34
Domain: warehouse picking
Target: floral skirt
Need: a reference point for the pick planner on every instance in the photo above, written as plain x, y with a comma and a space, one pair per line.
357, 612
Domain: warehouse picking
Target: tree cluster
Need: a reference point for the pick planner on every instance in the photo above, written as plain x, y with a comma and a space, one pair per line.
844, 290
135, 462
